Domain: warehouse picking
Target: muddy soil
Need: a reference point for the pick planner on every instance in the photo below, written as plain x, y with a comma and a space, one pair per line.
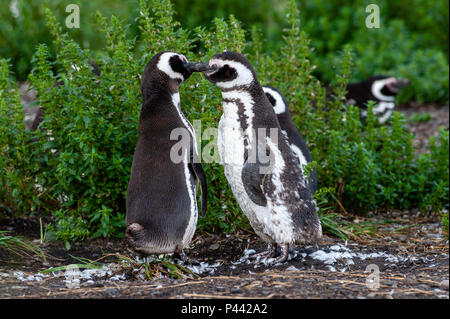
409, 258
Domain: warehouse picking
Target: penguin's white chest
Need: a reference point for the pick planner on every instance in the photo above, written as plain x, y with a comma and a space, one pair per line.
271, 222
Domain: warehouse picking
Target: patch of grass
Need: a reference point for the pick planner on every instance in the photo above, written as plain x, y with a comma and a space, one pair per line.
338, 224
84, 263
19, 246
155, 266
335, 223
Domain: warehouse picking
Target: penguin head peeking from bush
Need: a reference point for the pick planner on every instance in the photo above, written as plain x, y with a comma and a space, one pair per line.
381, 89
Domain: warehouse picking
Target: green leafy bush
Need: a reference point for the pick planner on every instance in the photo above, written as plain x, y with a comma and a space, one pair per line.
407, 44
17, 166
412, 40
23, 27
76, 167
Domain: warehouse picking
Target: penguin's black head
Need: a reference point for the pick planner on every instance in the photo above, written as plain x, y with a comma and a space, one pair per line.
385, 88
229, 70
277, 100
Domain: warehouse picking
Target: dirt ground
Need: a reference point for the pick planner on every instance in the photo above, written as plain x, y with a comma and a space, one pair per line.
408, 257
438, 117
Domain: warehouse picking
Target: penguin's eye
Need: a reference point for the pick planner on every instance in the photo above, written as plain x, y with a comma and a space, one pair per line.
228, 71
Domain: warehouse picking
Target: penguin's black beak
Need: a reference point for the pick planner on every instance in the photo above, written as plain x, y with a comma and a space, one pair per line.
198, 67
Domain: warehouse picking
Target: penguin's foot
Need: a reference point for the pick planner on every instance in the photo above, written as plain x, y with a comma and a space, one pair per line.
270, 252
283, 256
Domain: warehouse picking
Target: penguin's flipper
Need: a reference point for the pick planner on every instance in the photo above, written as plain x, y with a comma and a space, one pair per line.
253, 183
200, 174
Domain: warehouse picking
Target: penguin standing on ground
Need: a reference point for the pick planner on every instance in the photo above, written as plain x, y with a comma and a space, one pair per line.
161, 213
259, 164
380, 88
288, 127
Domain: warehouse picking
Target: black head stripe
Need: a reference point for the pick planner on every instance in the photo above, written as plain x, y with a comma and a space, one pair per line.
271, 98
224, 74
177, 65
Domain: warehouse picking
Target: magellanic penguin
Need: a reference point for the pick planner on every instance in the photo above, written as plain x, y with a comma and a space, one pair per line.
261, 168
380, 88
161, 206
288, 128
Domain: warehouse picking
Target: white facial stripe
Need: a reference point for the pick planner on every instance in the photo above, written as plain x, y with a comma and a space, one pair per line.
279, 106
376, 88
163, 65
244, 75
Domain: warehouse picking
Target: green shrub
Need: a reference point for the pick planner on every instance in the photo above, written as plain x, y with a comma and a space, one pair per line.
394, 51
17, 166
86, 141
76, 167
400, 47
23, 27
411, 42
93, 127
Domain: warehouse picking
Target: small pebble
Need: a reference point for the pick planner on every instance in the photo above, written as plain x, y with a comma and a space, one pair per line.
214, 246
444, 284
291, 268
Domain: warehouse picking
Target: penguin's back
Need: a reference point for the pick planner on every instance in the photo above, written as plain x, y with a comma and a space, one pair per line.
161, 194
